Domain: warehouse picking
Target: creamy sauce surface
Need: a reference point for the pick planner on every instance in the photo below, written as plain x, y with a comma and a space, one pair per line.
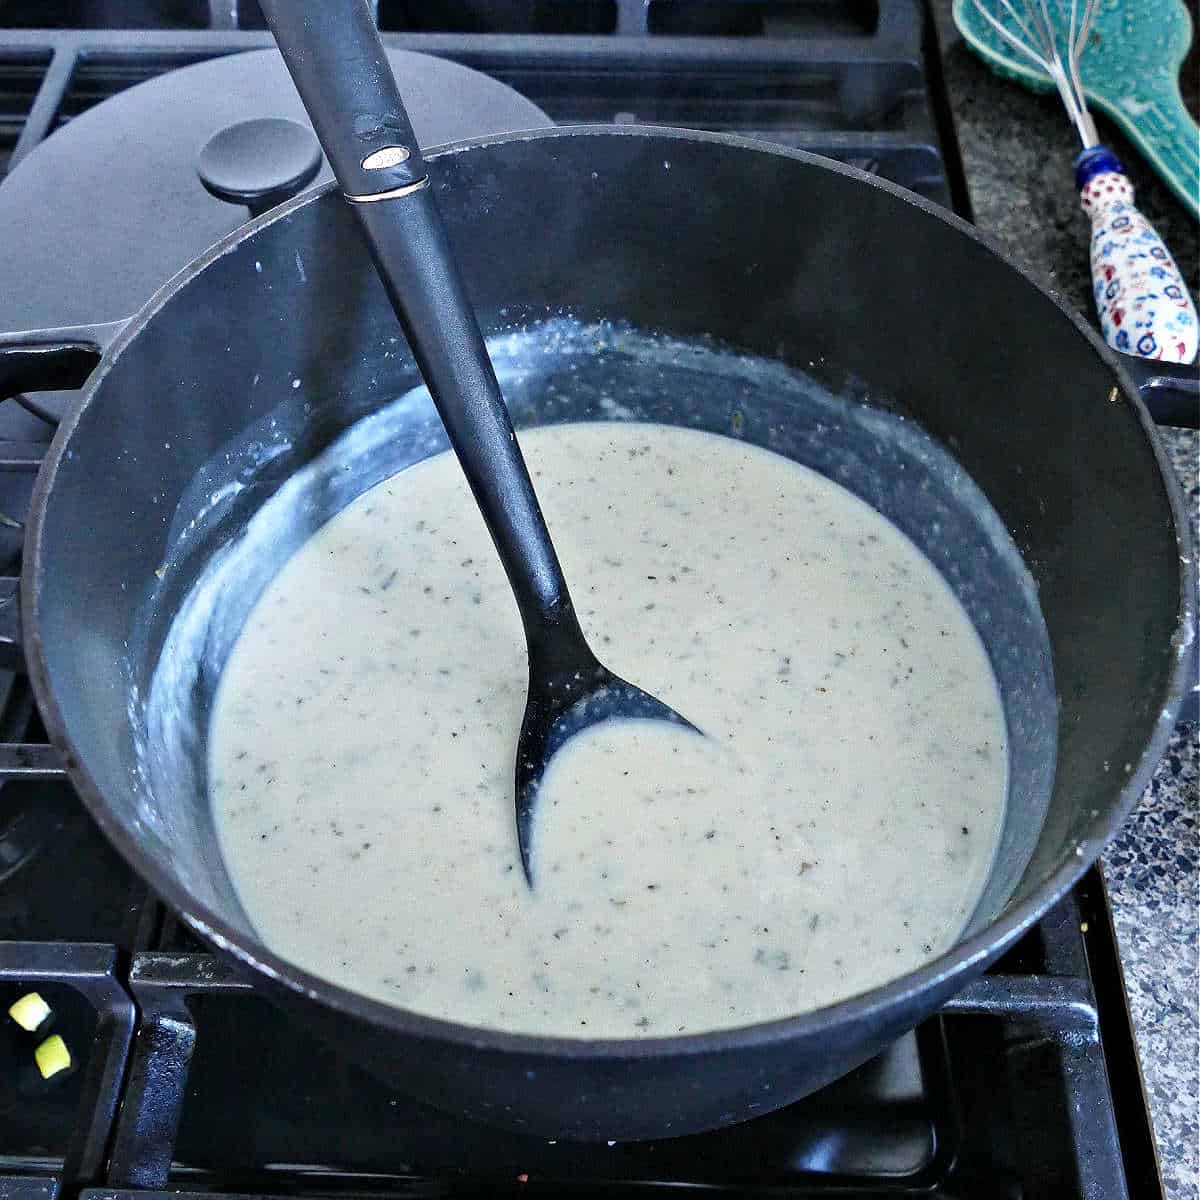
832, 831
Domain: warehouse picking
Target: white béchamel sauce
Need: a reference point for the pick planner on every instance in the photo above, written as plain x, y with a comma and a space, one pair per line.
833, 830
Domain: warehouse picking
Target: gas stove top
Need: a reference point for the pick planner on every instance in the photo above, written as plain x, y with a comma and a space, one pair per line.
181, 1078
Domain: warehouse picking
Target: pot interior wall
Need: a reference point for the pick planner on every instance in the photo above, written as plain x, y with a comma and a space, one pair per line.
261, 361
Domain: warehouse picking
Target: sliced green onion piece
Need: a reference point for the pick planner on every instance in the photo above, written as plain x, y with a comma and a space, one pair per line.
30, 1011
52, 1056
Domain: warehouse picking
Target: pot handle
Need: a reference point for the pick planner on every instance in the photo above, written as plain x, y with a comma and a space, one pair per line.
51, 360
42, 360
1171, 391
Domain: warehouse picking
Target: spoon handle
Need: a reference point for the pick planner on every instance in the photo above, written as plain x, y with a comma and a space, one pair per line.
1143, 303
333, 52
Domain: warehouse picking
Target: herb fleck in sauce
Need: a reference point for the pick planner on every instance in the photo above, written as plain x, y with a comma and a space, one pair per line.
833, 830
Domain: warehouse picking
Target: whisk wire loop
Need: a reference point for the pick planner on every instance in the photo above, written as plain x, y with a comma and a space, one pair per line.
1031, 33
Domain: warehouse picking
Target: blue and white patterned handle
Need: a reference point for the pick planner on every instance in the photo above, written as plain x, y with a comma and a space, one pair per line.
1143, 303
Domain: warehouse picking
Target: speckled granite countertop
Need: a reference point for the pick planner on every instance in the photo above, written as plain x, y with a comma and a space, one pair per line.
1018, 149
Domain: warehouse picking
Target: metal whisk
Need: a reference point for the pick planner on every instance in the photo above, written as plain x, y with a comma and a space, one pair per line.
1144, 305
1041, 46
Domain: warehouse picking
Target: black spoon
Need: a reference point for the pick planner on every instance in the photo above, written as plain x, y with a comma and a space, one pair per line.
333, 51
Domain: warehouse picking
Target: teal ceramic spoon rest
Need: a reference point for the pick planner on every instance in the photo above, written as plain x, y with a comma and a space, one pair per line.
1129, 69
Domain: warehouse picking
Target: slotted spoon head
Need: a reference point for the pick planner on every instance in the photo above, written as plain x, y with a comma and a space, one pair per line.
1129, 70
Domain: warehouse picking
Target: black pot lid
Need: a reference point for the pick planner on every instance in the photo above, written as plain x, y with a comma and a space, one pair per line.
112, 205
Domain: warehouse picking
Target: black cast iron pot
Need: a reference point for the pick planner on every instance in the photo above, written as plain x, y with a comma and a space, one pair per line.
869, 292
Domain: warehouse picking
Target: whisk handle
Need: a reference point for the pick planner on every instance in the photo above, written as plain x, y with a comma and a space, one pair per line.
1144, 306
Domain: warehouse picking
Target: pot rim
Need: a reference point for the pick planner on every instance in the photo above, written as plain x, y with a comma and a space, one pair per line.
949, 970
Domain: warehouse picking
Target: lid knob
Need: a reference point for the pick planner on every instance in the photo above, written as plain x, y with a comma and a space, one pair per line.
259, 163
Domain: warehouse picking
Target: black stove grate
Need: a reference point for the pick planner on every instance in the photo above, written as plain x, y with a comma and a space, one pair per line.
1026, 1086
858, 93
701, 18
1007, 1094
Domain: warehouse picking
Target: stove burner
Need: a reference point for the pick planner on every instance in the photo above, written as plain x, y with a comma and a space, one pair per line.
23, 833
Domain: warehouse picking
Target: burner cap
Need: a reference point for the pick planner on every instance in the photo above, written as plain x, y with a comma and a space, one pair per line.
115, 202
